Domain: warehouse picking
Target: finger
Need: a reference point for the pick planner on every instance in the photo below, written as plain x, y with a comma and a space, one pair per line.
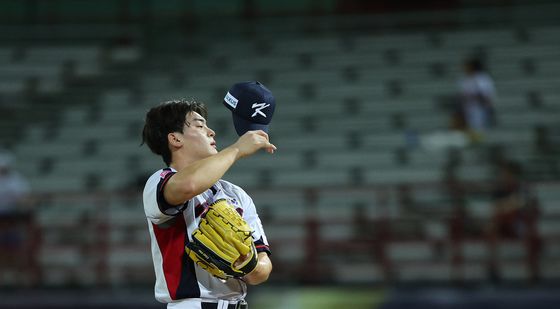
262, 133
271, 148
241, 259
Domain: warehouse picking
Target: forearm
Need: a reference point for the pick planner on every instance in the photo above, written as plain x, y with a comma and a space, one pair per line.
261, 272
204, 173
199, 176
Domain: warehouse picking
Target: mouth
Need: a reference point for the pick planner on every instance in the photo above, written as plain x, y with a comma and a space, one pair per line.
213, 144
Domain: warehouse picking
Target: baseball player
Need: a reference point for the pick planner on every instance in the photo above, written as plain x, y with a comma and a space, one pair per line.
177, 200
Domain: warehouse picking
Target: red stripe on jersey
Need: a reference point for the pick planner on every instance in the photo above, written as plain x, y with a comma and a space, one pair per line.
171, 242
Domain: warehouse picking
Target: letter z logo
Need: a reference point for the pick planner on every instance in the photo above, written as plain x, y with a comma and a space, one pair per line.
258, 109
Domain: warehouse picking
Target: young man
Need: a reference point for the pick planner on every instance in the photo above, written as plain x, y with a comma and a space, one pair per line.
175, 197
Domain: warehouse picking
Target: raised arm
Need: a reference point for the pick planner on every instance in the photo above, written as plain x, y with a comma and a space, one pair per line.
197, 177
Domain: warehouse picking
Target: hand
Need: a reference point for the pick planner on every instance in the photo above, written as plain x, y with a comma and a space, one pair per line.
261, 273
241, 259
252, 141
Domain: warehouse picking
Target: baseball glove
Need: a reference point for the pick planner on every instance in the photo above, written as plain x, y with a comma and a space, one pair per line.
222, 237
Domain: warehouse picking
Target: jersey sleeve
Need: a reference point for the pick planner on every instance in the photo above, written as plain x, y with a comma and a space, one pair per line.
155, 206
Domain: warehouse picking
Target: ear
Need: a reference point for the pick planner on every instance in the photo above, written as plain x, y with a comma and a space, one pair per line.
174, 140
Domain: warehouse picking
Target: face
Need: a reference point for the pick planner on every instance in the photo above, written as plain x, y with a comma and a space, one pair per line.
198, 137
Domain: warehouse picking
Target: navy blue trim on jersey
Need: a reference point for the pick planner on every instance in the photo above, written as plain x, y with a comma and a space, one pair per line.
214, 189
200, 209
188, 285
262, 247
164, 206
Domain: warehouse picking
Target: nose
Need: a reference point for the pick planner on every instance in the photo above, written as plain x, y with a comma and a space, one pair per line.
211, 132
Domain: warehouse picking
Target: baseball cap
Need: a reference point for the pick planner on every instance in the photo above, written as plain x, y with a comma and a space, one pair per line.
252, 106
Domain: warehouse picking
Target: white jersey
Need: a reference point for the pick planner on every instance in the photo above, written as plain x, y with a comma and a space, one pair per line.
475, 89
177, 278
476, 85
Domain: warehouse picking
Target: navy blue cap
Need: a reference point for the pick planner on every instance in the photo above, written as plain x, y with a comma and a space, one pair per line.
252, 106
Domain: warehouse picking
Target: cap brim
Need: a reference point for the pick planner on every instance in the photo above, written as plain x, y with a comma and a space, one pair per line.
242, 125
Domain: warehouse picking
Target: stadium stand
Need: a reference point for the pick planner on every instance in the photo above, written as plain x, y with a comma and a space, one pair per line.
353, 112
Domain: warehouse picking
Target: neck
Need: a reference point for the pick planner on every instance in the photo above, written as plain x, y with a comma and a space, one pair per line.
179, 161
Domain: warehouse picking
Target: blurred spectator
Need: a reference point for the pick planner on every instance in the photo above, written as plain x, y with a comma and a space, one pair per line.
513, 202
515, 212
14, 219
14, 189
475, 111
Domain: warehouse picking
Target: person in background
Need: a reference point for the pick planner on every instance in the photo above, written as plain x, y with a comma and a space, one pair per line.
14, 188
475, 113
15, 233
514, 217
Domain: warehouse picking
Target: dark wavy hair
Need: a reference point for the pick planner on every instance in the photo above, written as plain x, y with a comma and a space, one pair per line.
166, 118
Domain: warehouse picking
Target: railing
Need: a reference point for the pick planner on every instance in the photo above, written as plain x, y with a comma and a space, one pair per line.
101, 239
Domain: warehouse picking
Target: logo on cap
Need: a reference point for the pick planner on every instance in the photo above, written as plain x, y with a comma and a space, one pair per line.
258, 108
231, 100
